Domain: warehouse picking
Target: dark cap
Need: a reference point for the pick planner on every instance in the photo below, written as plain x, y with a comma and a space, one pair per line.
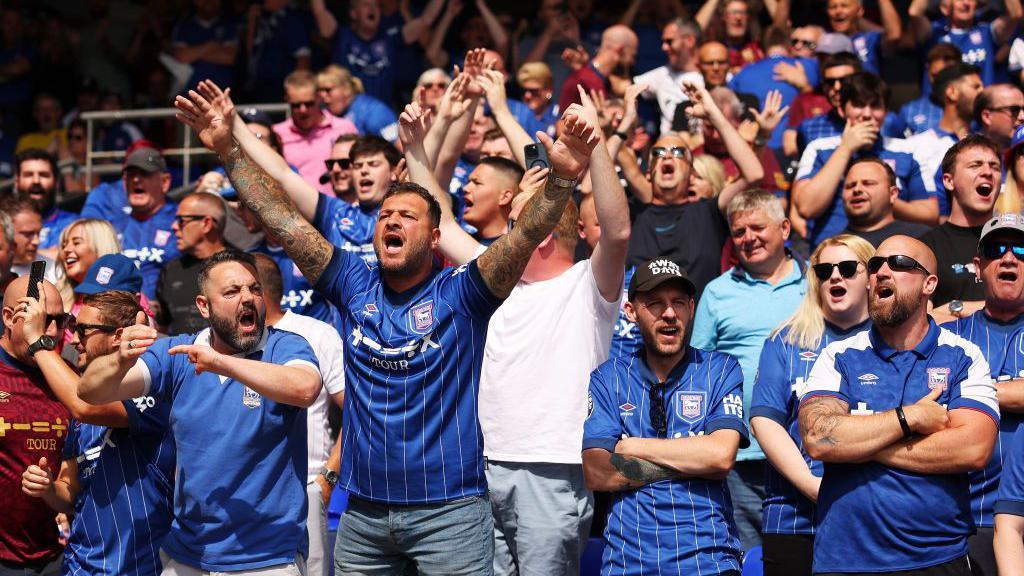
146, 159
251, 115
111, 272
656, 272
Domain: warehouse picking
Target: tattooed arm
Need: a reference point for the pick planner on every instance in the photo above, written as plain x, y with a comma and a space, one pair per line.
210, 114
606, 471
504, 261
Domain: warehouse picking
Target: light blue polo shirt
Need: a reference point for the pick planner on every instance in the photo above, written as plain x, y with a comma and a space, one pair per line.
736, 314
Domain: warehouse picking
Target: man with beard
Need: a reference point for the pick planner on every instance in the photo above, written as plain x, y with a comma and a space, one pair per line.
899, 414
36, 177
414, 338
237, 392
663, 426
1000, 267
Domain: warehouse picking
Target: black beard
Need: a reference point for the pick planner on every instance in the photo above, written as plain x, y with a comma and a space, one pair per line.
409, 266
893, 314
49, 197
227, 330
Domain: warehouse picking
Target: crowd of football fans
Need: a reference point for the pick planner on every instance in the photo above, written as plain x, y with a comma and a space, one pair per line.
679, 286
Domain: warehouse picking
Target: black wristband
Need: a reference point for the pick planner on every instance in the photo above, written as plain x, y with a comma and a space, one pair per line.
621, 134
907, 432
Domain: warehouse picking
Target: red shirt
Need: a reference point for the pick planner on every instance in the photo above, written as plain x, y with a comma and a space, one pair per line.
33, 424
589, 77
807, 105
740, 56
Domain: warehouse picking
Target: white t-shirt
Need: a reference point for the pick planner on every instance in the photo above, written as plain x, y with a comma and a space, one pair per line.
542, 345
666, 86
328, 347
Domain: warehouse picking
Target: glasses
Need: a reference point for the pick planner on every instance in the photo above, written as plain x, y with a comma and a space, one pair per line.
1013, 111
435, 85
307, 104
532, 91
63, 320
658, 416
847, 269
996, 250
343, 163
183, 219
800, 42
674, 151
837, 82
896, 262
79, 329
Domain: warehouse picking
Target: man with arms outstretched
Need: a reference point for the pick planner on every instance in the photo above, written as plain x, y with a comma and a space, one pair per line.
414, 340
899, 414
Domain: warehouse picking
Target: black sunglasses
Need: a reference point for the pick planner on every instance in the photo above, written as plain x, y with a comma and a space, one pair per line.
186, 218
658, 417
896, 262
847, 269
996, 250
1013, 111
344, 163
798, 42
79, 329
307, 104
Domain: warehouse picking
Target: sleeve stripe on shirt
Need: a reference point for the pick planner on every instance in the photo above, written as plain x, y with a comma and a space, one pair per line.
978, 386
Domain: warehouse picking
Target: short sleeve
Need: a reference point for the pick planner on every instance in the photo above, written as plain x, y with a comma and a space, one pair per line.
1011, 484
772, 386
343, 276
917, 186
705, 330
71, 442
147, 415
155, 363
466, 286
825, 378
602, 428
326, 216
972, 387
332, 366
811, 161
726, 402
1017, 55
290, 349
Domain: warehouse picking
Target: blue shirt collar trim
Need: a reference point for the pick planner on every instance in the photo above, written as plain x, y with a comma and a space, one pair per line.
923, 349
648, 377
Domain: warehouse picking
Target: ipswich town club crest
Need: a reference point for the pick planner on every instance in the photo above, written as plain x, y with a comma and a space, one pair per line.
938, 378
250, 398
421, 317
690, 406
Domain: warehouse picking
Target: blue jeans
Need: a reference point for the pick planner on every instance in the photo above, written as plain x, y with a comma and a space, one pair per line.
746, 488
455, 538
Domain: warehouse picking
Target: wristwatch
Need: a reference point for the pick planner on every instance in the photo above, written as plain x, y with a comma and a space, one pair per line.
956, 307
330, 475
44, 343
563, 182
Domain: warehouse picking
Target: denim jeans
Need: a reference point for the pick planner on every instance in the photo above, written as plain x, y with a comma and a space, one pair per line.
450, 538
746, 488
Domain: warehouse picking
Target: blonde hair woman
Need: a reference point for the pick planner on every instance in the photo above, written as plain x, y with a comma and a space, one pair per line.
707, 179
834, 308
81, 243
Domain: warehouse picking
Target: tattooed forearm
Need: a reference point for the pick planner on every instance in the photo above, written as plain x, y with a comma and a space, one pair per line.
819, 417
503, 263
640, 470
265, 197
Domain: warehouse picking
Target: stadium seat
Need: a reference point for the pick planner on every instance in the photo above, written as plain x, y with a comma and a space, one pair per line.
752, 565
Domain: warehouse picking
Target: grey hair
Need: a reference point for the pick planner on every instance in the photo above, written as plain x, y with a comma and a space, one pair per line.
753, 200
726, 98
7, 228
687, 27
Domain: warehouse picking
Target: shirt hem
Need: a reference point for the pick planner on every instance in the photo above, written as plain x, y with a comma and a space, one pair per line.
535, 458
887, 569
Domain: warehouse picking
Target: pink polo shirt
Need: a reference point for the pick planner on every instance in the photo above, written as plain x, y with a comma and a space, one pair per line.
307, 152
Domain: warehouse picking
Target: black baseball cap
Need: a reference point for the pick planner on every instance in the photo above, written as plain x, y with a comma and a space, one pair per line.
656, 272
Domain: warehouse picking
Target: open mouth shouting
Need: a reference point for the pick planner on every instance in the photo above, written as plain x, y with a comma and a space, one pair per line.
393, 243
984, 189
247, 320
836, 293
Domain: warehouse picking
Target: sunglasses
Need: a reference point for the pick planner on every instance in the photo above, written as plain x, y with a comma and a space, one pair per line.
435, 85
79, 329
186, 218
896, 262
847, 269
996, 250
307, 104
658, 417
834, 81
343, 163
798, 42
1013, 111
674, 151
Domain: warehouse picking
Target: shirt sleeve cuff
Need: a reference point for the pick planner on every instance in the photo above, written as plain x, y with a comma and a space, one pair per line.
1014, 507
770, 413
603, 443
330, 273
816, 393
970, 404
147, 377
729, 423
478, 279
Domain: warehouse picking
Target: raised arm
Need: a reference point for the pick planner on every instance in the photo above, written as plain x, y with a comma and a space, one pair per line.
812, 196
434, 50
456, 244
1005, 26
831, 434
891, 25
413, 29
706, 13
964, 446
504, 261
210, 115
493, 83
326, 23
293, 384
609, 258
118, 376
918, 25
494, 27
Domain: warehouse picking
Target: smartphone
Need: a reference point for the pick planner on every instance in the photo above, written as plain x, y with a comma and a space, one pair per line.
536, 156
35, 277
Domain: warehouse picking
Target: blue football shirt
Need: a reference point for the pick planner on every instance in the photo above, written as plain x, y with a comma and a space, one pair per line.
371, 116
867, 46
373, 61
920, 115
1000, 343
758, 79
626, 334
53, 225
679, 526
195, 32
240, 480
412, 368
347, 226
781, 373
123, 508
297, 293
870, 516
1011, 487
977, 46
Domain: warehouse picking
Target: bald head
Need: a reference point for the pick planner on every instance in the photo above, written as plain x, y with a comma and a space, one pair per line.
617, 36
206, 204
18, 288
907, 246
13, 339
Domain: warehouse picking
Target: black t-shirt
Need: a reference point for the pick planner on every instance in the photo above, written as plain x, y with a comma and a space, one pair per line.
895, 228
955, 248
176, 292
691, 235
